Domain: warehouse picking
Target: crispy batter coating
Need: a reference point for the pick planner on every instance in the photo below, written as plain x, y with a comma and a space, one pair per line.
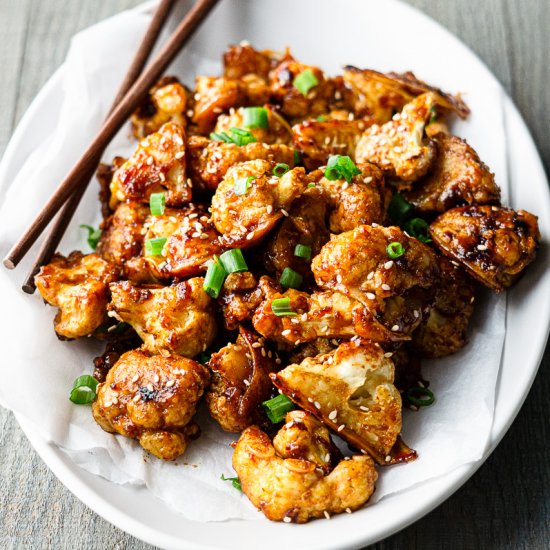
157, 165
245, 219
295, 490
166, 102
240, 382
493, 244
458, 177
178, 319
351, 390
152, 398
104, 175
209, 160
400, 147
243, 59
78, 286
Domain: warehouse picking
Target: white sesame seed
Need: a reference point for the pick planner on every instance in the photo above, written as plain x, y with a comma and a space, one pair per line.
388, 458
179, 155
246, 382
388, 354
256, 345
345, 185
303, 317
333, 414
317, 405
135, 378
384, 286
150, 387
286, 332
482, 247
348, 510
327, 515
339, 278
156, 378
363, 408
263, 352
107, 403
388, 265
137, 397
370, 275
370, 296
286, 519
395, 328
374, 224
327, 457
324, 329
284, 212
310, 400
416, 314
250, 236
341, 427
269, 209
170, 383
149, 160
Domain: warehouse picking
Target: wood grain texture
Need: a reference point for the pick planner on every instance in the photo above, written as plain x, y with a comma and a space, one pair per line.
507, 503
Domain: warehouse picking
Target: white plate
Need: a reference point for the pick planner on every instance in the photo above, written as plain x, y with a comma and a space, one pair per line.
350, 31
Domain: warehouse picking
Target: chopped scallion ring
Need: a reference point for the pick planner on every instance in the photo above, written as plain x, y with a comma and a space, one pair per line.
418, 228
157, 203
281, 169
304, 81
395, 250
84, 390
277, 408
93, 235
311, 185
255, 117
321, 118
399, 209
281, 307
242, 185
297, 157
236, 135
421, 397
233, 261
234, 481
341, 167
290, 279
153, 247
215, 276
303, 251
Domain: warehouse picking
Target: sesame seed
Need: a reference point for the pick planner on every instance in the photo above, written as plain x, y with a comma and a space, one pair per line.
137, 397
327, 515
179, 155
363, 408
107, 403
156, 378
277, 361
416, 314
246, 382
135, 378
370, 296
341, 427
395, 328
339, 278
330, 360
297, 343
388, 265
256, 345
303, 317
170, 383
115, 401
397, 149
368, 179
149, 160
284, 212
250, 236
150, 387
327, 457
286, 332
294, 321
482, 247
324, 329
374, 224
345, 185
333, 414
348, 510
286, 519
310, 400
317, 405
388, 458
269, 209
388, 354
263, 352
370, 275
384, 286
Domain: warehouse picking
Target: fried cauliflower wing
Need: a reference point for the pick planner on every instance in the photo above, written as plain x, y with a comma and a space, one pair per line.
493, 244
178, 319
157, 165
351, 390
152, 398
296, 490
458, 177
245, 215
243, 59
79, 286
400, 147
240, 382
241, 294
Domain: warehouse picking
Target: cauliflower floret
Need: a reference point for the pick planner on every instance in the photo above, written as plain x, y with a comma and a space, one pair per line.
351, 390
295, 490
243, 59
240, 296
158, 165
78, 286
493, 244
250, 200
178, 319
399, 147
152, 398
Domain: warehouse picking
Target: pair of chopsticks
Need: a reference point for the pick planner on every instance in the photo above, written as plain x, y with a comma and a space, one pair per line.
132, 92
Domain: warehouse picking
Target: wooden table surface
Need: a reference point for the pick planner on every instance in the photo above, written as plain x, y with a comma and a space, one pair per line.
507, 503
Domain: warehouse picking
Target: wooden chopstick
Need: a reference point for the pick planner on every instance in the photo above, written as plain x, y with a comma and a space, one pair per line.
49, 246
112, 125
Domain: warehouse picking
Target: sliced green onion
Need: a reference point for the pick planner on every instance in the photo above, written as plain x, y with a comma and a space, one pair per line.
282, 308
433, 111
395, 250
421, 397
277, 408
84, 390
281, 169
311, 185
297, 157
290, 279
255, 117
399, 208
153, 247
233, 261
204, 358
234, 481
303, 251
305, 81
221, 136
322, 118
418, 228
93, 235
242, 185
341, 167
236, 135
157, 203
215, 276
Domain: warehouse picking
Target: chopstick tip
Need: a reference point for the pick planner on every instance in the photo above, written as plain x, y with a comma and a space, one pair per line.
8, 263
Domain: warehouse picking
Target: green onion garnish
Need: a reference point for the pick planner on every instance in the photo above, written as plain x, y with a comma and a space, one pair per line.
322, 118
204, 357
421, 397
242, 185
399, 208
255, 117
233, 261
157, 203
339, 167
305, 81
236, 135
290, 279
433, 111
395, 250
282, 308
93, 235
297, 157
234, 481
303, 251
84, 390
281, 169
418, 228
221, 136
277, 408
311, 185
215, 276
153, 247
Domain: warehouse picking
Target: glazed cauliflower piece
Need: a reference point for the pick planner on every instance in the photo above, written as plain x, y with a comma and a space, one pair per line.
240, 382
157, 165
79, 286
296, 490
458, 177
493, 244
166, 102
210, 160
241, 294
152, 398
350, 390
243, 59
244, 219
399, 147
177, 319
